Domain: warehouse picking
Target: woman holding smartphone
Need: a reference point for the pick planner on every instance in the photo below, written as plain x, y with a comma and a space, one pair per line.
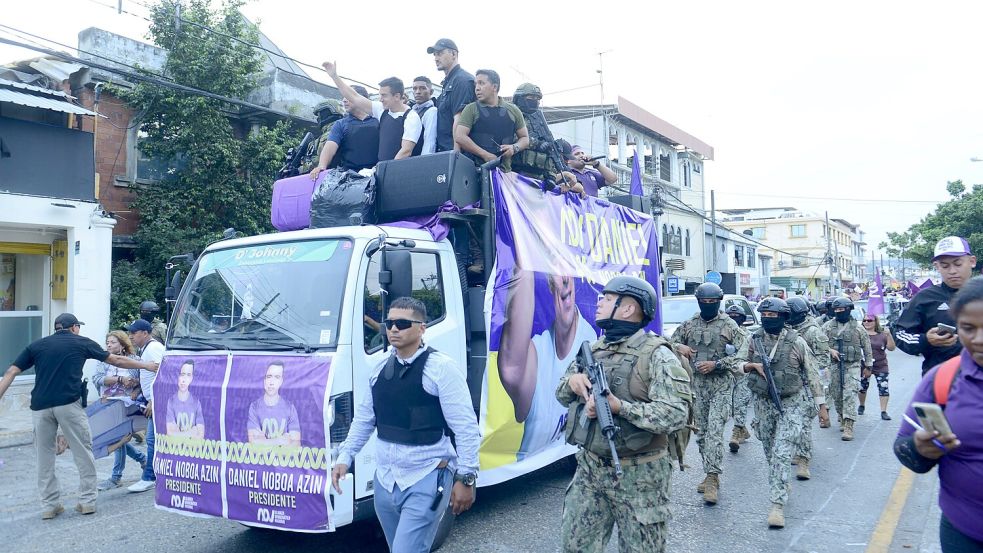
881, 342
960, 466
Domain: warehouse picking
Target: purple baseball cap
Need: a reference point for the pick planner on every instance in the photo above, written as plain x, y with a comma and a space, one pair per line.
951, 246
577, 149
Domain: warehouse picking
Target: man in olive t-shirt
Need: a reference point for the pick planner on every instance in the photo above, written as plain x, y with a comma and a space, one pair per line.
491, 126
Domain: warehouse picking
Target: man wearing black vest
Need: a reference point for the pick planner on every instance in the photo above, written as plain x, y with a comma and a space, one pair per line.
400, 127
417, 467
491, 126
353, 141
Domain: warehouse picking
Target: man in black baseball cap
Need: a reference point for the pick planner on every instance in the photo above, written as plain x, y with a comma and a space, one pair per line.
56, 401
457, 91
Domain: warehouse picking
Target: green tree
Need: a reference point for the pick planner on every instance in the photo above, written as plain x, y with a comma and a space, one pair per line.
962, 215
218, 178
130, 288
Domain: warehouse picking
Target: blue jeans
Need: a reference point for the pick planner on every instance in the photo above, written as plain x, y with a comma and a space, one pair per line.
148, 471
127, 450
409, 523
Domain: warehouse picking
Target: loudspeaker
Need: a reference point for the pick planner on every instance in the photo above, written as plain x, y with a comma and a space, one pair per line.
638, 203
420, 185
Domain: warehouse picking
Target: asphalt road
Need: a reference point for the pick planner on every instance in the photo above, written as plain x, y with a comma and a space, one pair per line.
837, 510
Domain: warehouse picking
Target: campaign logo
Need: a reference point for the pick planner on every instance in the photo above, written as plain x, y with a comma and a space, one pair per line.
273, 428
183, 502
272, 516
184, 422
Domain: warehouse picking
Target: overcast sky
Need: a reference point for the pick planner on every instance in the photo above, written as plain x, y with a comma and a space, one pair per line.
845, 100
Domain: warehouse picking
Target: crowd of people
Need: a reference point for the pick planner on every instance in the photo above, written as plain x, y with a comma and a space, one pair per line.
469, 116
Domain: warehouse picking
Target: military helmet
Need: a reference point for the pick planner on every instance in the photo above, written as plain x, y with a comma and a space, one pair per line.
709, 291
842, 303
736, 309
640, 290
328, 111
774, 305
528, 89
798, 305
149, 307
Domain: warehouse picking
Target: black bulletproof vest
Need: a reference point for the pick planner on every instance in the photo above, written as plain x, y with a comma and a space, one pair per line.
494, 127
404, 412
390, 135
418, 149
360, 149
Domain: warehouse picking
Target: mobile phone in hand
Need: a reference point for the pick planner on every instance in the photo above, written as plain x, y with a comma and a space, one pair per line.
932, 418
945, 329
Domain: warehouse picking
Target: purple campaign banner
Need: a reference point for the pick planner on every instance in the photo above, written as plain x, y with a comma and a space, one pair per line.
875, 302
554, 255
187, 459
278, 468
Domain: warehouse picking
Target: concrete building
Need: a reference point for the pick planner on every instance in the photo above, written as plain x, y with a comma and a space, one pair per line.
797, 241
744, 266
55, 238
672, 163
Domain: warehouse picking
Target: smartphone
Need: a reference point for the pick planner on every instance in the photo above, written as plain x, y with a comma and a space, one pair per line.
931, 417
945, 329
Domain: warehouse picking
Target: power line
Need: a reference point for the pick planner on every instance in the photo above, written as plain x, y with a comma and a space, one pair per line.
878, 200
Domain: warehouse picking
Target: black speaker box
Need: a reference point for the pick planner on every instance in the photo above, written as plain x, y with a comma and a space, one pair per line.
638, 203
420, 185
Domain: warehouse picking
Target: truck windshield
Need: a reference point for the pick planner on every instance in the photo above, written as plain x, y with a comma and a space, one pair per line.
279, 296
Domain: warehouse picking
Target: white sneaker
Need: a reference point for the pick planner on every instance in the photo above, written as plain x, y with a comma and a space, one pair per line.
142, 486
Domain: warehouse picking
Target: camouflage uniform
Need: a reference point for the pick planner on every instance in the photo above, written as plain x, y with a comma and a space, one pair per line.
713, 392
857, 346
638, 501
779, 431
818, 353
742, 395
159, 331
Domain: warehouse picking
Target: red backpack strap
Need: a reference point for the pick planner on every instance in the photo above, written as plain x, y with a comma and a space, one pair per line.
944, 377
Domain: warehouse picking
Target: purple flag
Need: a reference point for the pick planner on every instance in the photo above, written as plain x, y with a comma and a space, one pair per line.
915, 288
636, 178
875, 304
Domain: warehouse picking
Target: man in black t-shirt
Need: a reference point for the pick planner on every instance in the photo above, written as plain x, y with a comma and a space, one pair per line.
56, 401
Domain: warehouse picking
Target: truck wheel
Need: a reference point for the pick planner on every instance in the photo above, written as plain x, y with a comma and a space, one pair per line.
443, 528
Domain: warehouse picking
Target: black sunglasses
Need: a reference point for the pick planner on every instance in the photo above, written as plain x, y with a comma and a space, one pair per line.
868, 320
401, 324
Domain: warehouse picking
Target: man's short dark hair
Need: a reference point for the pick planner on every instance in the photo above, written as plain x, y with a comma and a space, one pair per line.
424, 79
413, 304
274, 364
361, 90
395, 85
492, 76
187, 362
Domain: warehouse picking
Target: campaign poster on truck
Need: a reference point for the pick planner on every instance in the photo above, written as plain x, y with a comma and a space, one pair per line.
555, 252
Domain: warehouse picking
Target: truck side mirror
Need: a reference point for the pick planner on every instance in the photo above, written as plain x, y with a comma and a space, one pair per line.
172, 289
396, 275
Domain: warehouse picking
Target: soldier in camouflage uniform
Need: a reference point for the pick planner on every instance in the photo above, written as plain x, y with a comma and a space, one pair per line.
802, 323
148, 312
742, 395
779, 426
327, 112
543, 160
716, 348
650, 399
855, 348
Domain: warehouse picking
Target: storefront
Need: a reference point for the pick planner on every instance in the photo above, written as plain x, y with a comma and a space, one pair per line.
25, 271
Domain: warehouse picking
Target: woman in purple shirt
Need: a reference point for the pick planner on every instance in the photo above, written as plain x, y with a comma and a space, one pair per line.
960, 460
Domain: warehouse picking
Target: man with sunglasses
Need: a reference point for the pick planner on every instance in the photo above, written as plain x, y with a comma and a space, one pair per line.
418, 398
56, 403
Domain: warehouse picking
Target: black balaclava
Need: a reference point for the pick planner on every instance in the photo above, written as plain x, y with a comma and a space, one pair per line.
738, 318
709, 310
773, 325
843, 316
615, 329
147, 316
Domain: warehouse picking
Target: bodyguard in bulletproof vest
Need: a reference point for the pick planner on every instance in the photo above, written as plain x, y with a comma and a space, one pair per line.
353, 141
418, 396
327, 112
491, 127
650, 399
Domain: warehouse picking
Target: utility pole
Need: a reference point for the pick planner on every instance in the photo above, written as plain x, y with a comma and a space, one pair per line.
713, 229
829, 258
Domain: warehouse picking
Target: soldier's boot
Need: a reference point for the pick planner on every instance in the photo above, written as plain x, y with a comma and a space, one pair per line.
802, 469
701, 487
776, 517
847, 430
824, 424
735, 438
711, 488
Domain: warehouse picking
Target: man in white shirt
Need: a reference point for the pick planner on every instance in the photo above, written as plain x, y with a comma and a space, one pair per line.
151, 351
427, 110
399, 126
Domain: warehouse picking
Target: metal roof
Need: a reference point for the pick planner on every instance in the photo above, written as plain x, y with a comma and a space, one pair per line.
7, 94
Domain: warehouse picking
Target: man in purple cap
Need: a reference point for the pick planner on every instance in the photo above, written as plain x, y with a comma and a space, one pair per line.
590, 172
457, 91
918, 330
56, 403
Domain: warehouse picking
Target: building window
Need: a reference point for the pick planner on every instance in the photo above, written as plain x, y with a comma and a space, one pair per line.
696, 168
752, 256
687, 243
799, 261
686, 175
665, 238
24, 278
142, 167
758, 232
798, 231
665, 168
739, 256
679, 241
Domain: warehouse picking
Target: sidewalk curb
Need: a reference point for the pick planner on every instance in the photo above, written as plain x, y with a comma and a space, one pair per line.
16, 438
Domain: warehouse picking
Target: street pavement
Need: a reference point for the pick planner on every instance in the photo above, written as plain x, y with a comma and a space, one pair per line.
837, 511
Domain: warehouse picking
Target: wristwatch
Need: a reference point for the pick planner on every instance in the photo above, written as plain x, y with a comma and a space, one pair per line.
468, 478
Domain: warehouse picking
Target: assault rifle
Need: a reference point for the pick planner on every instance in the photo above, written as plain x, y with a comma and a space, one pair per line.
759, 346
291, 166
841, 367
600, 391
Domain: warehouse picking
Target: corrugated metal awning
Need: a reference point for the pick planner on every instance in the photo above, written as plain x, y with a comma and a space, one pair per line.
20, 98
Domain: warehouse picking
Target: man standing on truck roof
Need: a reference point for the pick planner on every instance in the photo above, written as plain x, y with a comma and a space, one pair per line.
490, 126
650, 399
457, 91
424, 107
353, 142
415, 463
530, 366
